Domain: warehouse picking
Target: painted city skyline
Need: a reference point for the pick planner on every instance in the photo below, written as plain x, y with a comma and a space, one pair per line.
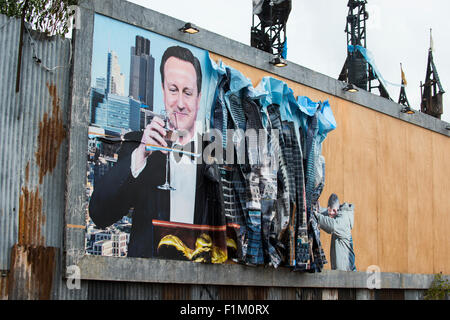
123, 82
111, 108
112, 35
140, 82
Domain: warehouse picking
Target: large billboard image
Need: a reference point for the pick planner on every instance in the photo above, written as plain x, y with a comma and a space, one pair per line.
188, 160
158, 152
148, 93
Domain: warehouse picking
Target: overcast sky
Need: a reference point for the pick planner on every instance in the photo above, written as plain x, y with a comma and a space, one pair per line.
398, 32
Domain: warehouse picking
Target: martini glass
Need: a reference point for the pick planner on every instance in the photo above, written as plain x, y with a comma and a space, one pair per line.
166, 185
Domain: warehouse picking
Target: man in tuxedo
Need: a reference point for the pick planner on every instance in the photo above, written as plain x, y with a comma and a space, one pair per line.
135, 180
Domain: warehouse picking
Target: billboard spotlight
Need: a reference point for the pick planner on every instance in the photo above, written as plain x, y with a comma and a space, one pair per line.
189, 28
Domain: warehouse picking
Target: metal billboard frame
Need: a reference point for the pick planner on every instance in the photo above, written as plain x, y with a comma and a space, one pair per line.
181, 272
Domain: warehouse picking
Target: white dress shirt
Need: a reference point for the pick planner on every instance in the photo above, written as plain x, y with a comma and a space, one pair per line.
183, 177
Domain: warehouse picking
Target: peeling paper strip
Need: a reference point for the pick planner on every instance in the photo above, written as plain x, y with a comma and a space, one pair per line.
75, 226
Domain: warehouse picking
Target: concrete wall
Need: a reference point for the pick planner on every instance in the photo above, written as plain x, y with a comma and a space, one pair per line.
395, 173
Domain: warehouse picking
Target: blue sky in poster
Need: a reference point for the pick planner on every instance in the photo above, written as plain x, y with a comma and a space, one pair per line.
110, 34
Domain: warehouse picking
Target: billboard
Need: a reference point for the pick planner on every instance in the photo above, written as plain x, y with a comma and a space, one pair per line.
150, 94
188, 161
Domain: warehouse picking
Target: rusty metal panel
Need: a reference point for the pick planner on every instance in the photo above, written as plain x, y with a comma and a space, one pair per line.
257, 293
60, 290
233, 293
31, 275
43, 146
3, 286
389, 294
281, 294
204, 292
99, 290
103, 290
33, 126
308, 294
346, 294
143, 291
9, 199
333, 294
33, 144
176, 292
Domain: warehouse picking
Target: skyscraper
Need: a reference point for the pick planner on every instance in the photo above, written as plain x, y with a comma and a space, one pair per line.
142, 71
100, 84
97, 96
113, 113
117, 114
115, 80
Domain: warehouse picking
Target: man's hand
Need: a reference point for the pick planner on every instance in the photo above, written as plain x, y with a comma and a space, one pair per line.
154, 134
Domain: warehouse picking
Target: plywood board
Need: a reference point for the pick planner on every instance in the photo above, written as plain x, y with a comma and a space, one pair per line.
419, 199
441, 201
360, 180
391, 188
396, 174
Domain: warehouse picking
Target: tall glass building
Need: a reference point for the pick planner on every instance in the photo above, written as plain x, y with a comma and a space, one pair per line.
142, 72
118, 114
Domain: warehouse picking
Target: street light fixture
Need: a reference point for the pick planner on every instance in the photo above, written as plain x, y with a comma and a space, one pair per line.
189, 28
408, 110
278, 62
351, 88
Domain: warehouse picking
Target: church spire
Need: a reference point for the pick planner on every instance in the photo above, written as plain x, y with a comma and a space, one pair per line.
431, 89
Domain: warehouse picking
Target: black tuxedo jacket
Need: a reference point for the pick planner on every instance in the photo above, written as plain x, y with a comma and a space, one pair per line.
118, 191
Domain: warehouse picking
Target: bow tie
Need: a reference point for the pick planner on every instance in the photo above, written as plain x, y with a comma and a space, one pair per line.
189, 147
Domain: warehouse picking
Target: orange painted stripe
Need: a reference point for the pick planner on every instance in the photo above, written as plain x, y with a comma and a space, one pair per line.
75, 226
233, 225
100, 134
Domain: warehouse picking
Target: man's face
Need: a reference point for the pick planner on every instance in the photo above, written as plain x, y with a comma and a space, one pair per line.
332, 213
181, 97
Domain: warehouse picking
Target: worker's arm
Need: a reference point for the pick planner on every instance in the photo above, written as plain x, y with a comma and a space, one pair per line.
326, 223
340, 226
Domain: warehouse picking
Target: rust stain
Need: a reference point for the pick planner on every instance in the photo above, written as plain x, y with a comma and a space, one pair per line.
3, 288
31, 274
27, 172
176, 292
51, 135
31, 218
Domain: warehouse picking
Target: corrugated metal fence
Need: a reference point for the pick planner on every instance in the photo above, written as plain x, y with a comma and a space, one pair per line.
33, 160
